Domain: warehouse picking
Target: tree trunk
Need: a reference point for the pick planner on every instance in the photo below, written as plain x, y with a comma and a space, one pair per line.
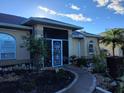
36, 61
113, 49
122, 48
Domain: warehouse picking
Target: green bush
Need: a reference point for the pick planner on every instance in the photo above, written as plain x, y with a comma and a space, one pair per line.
99, 63
99, 68
81, 62
78, 61
73, 59
61, 73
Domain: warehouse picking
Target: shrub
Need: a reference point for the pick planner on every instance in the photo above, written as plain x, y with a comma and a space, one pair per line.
78, 61
81, 62
99, 64
73, 59
99, 68
62, 74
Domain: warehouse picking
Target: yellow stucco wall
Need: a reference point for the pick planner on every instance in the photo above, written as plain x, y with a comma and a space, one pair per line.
84, 43
21, 52
96, 45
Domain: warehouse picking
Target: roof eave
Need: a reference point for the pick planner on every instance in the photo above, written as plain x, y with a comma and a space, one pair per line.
33, 22
13, 26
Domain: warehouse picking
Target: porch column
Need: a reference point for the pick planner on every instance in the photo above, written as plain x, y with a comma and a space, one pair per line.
70, 43
38, 31
85, 47
79, 48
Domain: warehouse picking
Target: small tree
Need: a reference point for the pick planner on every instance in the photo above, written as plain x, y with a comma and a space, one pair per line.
37, 48
111, 36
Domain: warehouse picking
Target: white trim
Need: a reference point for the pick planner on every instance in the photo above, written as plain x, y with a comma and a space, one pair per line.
53, 52
91, 43
56, 39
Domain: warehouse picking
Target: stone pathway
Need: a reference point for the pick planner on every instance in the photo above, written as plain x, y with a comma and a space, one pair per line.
85, 83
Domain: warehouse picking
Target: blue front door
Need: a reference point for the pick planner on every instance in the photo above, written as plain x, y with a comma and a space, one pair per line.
57, 56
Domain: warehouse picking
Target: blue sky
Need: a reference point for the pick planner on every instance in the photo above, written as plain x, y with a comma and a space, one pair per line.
94, 15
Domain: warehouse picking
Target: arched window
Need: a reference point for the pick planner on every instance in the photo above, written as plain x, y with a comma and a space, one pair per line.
7, 47
91, 47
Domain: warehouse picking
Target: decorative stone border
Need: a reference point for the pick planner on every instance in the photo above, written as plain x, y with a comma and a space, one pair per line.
70, 85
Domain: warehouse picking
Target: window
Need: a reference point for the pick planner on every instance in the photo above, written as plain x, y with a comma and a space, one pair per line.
7, 47
91, 47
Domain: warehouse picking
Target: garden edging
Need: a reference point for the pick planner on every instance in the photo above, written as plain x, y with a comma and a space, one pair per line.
72, 83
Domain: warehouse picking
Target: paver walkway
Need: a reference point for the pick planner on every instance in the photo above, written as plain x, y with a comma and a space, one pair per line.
85, 82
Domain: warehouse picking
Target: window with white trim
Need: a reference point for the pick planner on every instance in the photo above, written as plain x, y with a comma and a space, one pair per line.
91, 47
7, 47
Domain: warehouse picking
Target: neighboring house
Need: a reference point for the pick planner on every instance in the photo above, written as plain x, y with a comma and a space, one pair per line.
63, 40
108, 49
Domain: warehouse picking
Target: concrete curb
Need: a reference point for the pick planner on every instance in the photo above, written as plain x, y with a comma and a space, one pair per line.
70, 85
102, 90
92, 88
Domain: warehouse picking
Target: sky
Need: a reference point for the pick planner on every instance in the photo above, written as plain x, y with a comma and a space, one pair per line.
95, 16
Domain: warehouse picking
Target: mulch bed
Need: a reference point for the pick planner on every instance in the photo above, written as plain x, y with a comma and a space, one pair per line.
46, 81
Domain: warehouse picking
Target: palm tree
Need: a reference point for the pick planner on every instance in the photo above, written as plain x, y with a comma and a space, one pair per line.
121, 41
111, 37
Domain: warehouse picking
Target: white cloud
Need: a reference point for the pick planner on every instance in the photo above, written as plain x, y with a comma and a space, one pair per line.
47, 10
75, 17
101, 2
114, 5
74, 7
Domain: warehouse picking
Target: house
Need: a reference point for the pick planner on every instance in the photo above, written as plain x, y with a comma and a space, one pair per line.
63, 40
108, 48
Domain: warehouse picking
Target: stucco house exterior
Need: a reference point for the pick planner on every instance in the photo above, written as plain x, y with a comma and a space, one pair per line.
108, 48
63, 40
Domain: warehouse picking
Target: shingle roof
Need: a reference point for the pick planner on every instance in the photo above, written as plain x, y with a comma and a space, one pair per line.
90, 34
46, 21
11, 19
17, 20
83, 33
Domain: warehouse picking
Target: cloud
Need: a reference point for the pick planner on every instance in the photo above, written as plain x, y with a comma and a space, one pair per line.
74, 7
101, 2
75, 17
114, 5
47, 10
